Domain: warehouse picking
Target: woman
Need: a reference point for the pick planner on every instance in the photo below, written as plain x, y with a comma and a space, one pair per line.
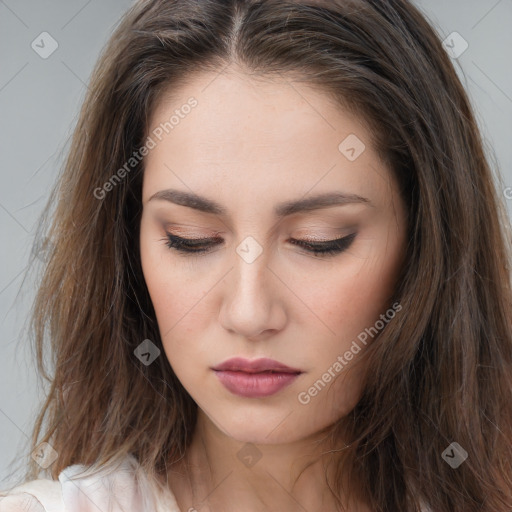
278, 272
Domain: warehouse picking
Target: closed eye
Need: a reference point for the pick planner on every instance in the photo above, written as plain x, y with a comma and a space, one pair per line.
191, 246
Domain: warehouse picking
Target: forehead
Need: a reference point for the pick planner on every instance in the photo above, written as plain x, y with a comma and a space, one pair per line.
242, 109
261, 134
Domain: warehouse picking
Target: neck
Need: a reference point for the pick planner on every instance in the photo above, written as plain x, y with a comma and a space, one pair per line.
220, 473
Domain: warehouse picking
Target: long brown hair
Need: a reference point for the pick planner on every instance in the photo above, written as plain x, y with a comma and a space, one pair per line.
441, 372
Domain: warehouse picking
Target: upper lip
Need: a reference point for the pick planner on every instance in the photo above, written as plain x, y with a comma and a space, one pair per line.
257, 365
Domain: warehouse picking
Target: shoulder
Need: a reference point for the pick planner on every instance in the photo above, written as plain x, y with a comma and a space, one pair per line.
35, 496
79, 490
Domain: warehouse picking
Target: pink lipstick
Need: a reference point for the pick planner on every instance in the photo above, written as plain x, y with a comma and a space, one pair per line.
255, 379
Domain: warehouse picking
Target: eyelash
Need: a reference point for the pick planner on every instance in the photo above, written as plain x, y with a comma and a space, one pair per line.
321, 249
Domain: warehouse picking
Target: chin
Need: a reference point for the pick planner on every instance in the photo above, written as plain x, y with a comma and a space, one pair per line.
263, 436
260, 427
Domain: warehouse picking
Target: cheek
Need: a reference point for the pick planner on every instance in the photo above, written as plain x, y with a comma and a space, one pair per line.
174, 313
351, 303
176, 299
167, 288
352, 297
175, 302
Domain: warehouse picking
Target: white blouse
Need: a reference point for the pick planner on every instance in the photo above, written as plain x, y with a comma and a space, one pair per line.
118, 490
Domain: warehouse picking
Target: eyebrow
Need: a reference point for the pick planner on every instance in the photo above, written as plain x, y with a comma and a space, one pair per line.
203, 204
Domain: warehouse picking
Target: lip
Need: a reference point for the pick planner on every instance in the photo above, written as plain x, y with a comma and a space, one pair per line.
256, 366
255, 379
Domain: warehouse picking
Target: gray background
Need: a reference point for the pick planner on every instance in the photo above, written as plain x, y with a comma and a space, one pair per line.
39, 102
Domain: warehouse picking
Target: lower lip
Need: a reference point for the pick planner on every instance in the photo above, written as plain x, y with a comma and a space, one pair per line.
255, 385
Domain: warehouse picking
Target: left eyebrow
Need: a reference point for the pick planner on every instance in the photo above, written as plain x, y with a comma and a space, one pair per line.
206, 205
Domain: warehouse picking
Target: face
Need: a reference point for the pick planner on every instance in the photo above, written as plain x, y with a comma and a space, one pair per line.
240, 165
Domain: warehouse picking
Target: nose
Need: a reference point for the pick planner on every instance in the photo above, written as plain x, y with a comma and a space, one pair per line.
253, 304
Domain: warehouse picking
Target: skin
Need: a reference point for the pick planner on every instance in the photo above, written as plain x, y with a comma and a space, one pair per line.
248, 145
